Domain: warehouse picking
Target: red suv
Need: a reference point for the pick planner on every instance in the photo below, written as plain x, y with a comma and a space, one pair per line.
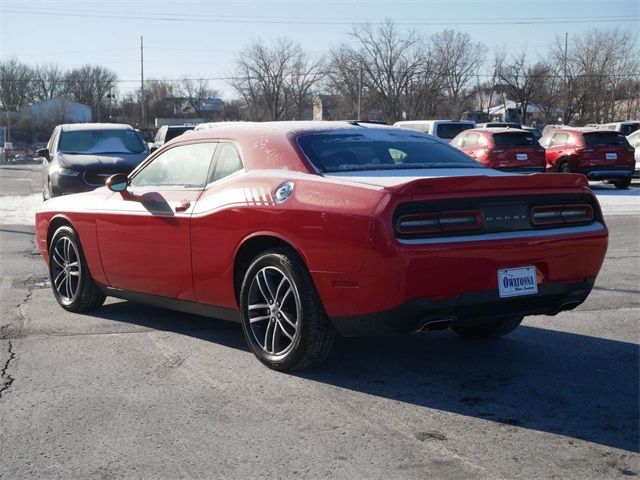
508, 149
597, 154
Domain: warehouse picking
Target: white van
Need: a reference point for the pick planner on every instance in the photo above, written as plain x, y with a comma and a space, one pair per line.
446, 130
625, 128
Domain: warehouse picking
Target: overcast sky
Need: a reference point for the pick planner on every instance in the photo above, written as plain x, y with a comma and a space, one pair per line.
199, 38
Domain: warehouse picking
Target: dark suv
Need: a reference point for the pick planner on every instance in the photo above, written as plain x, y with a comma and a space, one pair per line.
80, 157
597, 154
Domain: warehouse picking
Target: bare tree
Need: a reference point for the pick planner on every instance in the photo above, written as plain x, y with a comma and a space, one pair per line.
15, 84
393, 64
48, 82
90, 85
343, 80
521, 78
304, 75
459, 58
196, 92
262, 75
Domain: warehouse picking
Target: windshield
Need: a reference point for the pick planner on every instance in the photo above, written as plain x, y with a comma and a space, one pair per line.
101, 141
370, 149
604, 138
450, 130
515, 139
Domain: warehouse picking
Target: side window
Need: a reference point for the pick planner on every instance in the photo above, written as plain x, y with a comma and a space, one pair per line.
184, 166
458, 142
559, 139
473, 139
227, 163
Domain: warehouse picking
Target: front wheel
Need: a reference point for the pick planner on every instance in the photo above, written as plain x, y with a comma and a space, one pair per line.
482, 331
283, 320
71, 280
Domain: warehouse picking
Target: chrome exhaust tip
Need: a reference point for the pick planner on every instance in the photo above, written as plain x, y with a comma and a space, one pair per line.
434, 325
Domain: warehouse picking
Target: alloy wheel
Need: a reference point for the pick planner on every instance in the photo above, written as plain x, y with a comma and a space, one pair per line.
273, 310
65, 269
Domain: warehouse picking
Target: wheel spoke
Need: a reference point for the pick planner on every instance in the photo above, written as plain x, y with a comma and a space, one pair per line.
58, 258
286, 294
286, 317
282, 282
267, 284
259, 319
283, 330
62, 276
266, 337
265, 294
68, 287
274, 337
258, 306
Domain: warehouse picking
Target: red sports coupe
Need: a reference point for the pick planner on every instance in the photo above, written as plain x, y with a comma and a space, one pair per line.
300, 230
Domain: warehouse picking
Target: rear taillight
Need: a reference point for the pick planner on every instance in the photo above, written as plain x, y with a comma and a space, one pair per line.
439, 222
559, 214
585, 150
497, 150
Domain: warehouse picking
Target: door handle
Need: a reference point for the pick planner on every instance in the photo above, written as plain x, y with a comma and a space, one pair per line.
183, 206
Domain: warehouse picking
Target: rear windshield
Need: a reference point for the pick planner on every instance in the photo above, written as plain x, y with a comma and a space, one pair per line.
450, 130
176, 132
604, 138
369, 149
628, 128
101, 141
515, 139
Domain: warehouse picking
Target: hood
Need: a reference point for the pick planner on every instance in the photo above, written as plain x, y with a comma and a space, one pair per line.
102, 161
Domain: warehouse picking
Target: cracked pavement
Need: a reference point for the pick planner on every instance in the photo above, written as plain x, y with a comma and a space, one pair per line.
132, 391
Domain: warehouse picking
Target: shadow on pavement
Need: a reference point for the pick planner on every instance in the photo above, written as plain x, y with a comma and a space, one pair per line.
556, 382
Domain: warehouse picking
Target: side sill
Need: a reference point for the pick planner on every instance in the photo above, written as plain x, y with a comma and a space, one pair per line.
221, 313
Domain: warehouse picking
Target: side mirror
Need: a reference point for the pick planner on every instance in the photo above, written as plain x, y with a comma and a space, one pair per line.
117, 183
43, 152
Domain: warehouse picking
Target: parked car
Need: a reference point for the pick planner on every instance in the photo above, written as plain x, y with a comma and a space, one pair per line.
500, 125
634, 141
625, 128
81, 156
505, 149
299, 230
597, 154
444, 129
166, 133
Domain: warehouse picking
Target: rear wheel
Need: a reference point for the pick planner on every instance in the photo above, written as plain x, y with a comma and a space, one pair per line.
564, 167
488, 330
283, 320
71, 280
622, 184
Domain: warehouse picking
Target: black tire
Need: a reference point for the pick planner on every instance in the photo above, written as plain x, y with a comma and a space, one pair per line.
564, 167
488, 330
622, 184
279, 340
71, 281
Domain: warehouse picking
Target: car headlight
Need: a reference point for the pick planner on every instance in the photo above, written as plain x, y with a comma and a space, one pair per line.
67, 172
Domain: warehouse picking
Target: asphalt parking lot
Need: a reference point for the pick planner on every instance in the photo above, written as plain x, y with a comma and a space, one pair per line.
132, 391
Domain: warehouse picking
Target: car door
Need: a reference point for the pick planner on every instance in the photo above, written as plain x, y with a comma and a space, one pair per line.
144, 233
556, 148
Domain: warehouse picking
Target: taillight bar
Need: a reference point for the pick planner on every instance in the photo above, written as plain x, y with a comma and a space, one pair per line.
438, 222
558, 214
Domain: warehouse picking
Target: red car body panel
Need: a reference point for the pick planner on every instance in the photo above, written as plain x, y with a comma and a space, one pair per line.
493, 156
342, 229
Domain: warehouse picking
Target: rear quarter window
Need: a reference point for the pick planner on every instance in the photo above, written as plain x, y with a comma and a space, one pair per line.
604, 138
451, 130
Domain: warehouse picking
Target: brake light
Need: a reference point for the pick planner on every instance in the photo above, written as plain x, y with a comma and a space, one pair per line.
497, 150
585, 150
439, 222
559, 214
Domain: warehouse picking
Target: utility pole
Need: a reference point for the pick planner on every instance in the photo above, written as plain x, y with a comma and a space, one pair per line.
566, 83
360, 93
143, 120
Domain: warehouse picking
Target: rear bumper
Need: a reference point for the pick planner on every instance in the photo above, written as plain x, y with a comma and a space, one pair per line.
471, 307
606, 173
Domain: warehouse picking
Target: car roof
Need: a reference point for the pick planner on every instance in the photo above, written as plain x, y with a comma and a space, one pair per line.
73, 127
496, 130
419, 122
583, 130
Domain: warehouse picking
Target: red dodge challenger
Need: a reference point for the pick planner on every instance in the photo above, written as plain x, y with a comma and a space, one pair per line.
299, 230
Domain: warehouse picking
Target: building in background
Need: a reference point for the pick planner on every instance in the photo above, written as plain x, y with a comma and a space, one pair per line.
57, 110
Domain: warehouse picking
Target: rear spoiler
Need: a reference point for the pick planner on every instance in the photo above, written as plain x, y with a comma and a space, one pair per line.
486, 183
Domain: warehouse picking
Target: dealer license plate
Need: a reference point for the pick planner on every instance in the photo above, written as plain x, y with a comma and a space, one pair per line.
521, 156
612, 156
513, 282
